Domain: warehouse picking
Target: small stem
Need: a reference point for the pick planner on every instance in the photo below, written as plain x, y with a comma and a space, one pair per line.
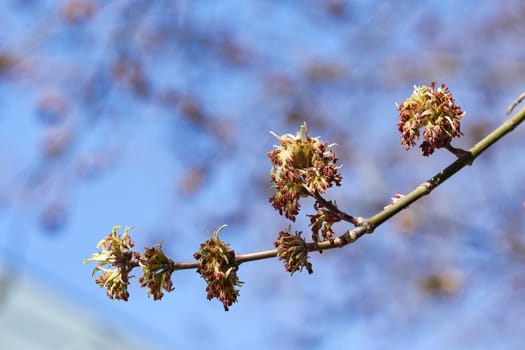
515, 103
185, 265
334, 209
240, 258
461, 154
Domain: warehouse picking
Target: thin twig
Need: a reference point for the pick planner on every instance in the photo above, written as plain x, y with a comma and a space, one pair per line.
184, 265
515, 103
334, 209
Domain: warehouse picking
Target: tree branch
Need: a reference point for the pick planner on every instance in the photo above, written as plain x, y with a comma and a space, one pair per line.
466, 159
217, 263
368, 225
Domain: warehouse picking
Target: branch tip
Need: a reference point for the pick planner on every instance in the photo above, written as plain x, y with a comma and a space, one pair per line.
515, 103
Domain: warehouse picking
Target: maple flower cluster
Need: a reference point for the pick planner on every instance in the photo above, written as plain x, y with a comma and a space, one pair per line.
292, 250
322, 223
301, 166
157, 269
434, 109
218, 268
115, 260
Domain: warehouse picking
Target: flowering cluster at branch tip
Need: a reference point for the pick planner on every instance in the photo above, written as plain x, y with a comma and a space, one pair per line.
218, 268
292, 250
301, 166
433, 109
157, 269
115, 252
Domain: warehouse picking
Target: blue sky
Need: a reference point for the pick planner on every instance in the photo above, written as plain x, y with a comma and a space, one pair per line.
218, 77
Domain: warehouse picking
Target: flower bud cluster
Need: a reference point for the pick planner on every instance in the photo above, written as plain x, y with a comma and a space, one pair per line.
301, 166
115, 259
157, 269
218, 268
322, 223
433, 109
292, 250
